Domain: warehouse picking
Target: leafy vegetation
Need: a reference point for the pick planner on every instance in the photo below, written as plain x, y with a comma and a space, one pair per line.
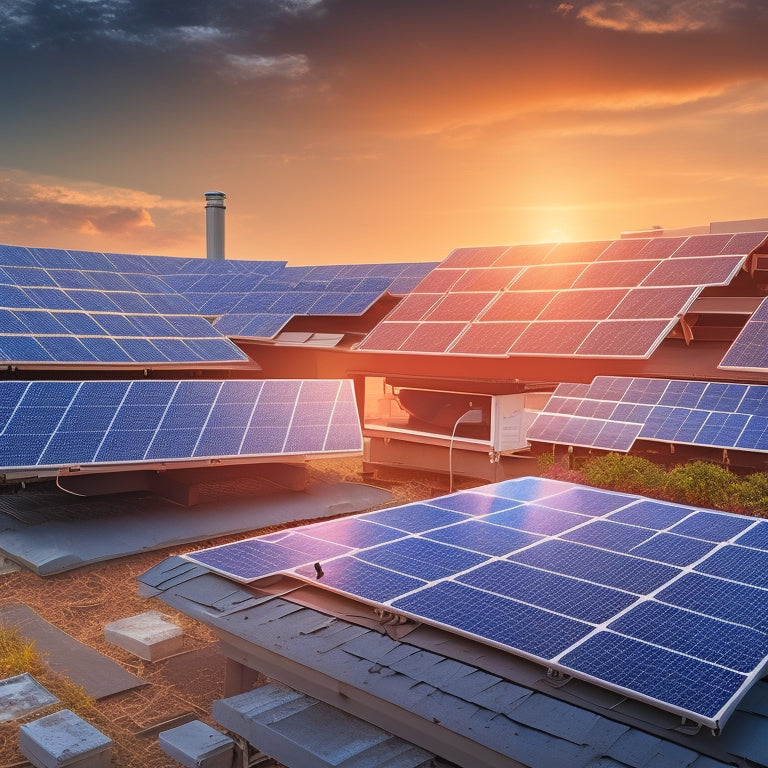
697, 483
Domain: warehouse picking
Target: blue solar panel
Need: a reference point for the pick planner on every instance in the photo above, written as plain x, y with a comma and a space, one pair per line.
93, 422
735, 647
368, 581
605, 656
609, 596
551, 591
598, 566
421, 558
713, 414
673, 550
415, 518
532, 630
480, 536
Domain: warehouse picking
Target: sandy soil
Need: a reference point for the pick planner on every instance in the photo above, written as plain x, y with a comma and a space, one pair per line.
82, 601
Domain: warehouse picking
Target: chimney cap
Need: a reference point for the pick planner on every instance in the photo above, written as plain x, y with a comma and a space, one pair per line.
215, 199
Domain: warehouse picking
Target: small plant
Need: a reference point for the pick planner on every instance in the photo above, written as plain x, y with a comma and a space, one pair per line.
618, 472
702, 484
17, 655
752, 494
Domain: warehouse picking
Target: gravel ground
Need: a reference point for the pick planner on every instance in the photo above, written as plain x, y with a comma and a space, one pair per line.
82, 601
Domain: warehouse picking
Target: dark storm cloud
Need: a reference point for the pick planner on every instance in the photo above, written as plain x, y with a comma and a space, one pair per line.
39, 23
232, 32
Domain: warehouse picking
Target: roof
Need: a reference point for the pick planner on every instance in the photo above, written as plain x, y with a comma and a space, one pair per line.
446, 694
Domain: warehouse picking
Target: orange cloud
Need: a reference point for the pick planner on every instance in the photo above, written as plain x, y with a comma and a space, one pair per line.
76, 214
653, 17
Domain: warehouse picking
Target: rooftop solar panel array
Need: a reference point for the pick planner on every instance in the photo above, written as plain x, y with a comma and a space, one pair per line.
95, 308
612, 413
64, 423
598, 299
663, 603
87, 308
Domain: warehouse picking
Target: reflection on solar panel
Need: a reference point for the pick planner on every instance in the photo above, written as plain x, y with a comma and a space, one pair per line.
612, 412
660, 602
61, 423
593, 299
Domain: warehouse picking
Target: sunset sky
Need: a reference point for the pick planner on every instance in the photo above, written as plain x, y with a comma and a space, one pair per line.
376, 130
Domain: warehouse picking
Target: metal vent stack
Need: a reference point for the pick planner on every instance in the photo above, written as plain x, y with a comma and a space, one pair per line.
214, 224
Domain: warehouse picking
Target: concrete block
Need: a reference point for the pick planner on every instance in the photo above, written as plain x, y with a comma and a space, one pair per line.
197, 745
149, 635
64, 740
21, 695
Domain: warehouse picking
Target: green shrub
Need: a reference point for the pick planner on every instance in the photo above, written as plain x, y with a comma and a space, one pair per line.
618, 472
752, 494
703, 485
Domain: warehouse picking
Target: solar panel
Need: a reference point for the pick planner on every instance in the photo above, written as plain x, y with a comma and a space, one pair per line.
619, 250
135, 286
51, 424
584, 289
749, 351
611, 588
60, 298
568, 253
712, 270
711, 414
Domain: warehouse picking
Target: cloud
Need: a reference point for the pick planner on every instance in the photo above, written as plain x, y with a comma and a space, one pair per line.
39, 23
83, 214
291, 66
654, 16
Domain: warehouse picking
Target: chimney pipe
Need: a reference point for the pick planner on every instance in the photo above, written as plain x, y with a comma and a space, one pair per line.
214, 224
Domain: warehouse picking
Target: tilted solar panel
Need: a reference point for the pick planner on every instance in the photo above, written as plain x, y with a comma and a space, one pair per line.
616, 299
62, 423
749, 351
711, 414
660, 602
60, 300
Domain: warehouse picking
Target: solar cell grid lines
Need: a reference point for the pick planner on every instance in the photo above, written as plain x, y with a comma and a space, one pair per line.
547, 277
432, 337
711, 414
582, 305
491, 339
585, 251
745, 242
552, 338
523, 255
510, 307
483, 256
703, 245
660, 247
54, 424
490, 279
749, 351
620, 250
711, 270
649, 303
661, 602
625, 338
615, 274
